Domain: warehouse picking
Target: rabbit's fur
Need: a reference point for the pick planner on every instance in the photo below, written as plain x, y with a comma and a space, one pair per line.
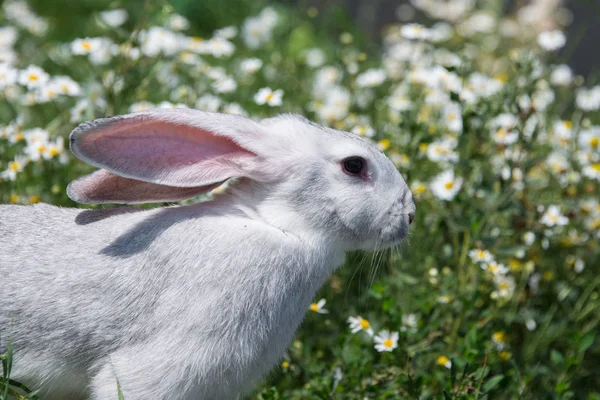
187, 302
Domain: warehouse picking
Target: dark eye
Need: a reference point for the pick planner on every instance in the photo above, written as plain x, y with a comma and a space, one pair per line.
354, 165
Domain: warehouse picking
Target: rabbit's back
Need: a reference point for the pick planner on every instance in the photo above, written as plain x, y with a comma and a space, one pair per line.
58, 290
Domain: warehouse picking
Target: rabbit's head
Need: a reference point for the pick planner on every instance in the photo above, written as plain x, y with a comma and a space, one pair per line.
297, 176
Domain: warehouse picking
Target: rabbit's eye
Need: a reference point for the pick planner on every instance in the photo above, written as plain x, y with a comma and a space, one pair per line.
354, 165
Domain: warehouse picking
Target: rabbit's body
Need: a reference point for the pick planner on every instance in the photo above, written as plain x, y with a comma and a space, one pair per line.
154, 314
190, 302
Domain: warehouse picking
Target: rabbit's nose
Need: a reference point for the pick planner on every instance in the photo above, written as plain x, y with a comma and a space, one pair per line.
411, 217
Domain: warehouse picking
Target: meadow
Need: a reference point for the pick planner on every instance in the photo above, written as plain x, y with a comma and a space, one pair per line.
496, 293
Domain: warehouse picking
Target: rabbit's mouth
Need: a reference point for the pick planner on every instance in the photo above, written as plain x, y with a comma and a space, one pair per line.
400, 215
396, 230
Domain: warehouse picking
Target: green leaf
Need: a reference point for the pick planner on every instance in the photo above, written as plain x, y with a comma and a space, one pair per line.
557, 358
300, 39
491, 383
406, 278
586, 342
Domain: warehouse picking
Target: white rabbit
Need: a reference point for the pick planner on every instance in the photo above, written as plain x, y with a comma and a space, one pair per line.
187, 302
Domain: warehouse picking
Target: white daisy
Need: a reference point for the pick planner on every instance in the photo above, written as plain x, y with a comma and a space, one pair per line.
220, 47
234, 108
370, 78
494, 268
562, 75
588, 100
358, 324
592, 171
505, 287
415, 31
65, 85
553, 217
251, 65
529, 238
14, 167
409, 323
318, 307
442, 151
314, 58
225, 85
228, 32
114, 18
590, 138
482, 256
8, 75
33, 77
386, 341
209, 102
141, 106
445, 186
452, 114
268, 96
552, 40
178, 22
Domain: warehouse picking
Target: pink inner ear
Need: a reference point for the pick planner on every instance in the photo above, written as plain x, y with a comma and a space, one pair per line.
106, 187
161, 152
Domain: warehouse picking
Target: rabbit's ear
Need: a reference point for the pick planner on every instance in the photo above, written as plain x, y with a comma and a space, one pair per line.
169, 147
105, 187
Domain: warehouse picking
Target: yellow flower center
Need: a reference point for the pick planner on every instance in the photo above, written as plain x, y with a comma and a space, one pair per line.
270, 96
19, 137
502, 77
594, 142
499, 337
505, 355
568, 124
493, 267
442, 360
452, 117
596, 167
420, 189
364, 324
384, 144
515, 264
14, 166
53, 151
314, 307
87, 46
503, 286
33, 77
388, 343
449, 185
34, 199
501, 133
41, 149
285, 364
